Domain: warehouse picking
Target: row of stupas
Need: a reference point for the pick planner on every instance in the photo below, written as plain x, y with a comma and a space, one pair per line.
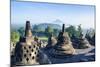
28, 52
62, 45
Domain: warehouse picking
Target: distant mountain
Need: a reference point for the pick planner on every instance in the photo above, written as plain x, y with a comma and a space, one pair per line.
58, 21
42, 26
56, 24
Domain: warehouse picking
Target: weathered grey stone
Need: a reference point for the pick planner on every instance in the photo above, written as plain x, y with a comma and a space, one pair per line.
90, 38
75, 41
51, 42
83, 42
84, 60
64, 45
27, 50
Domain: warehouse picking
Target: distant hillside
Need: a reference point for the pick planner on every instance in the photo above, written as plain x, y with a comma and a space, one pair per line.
42, 26
58, 21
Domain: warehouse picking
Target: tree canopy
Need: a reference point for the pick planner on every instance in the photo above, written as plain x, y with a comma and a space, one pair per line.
15, 37
49, 30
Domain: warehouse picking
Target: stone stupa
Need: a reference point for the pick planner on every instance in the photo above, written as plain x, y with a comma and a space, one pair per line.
90, 38
27, 51
75, 41
64, 46
51, 42
83, 42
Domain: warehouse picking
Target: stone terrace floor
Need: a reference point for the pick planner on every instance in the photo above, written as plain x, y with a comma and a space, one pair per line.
82, 55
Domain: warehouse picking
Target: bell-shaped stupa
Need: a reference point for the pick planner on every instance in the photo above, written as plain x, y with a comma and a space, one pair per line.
83, 42
27, 50
64, 46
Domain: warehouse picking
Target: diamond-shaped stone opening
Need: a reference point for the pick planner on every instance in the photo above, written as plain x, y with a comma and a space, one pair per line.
29, 47
27, 51
33, 57
24, 55
35, 52
30, 54
34, 46
25, 48
32, 50
27, 59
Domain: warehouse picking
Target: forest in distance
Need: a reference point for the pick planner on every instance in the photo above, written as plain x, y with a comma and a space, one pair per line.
44, 30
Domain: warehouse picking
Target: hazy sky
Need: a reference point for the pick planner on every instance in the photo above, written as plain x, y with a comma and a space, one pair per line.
46, 12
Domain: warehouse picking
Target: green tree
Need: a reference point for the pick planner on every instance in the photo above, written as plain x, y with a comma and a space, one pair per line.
56, 32
35, 28
79, 30
15, 37
71, 30
21, 31
48, 30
